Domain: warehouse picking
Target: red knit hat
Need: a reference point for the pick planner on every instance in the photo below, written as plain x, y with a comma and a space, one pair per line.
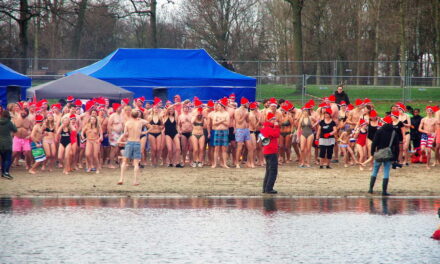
270, 115
395, 114
373, 113
72, 117
116, 106
329, 111
387, 119
224, 102
39, 118
210, 104
253, 105
358, 102
244, 100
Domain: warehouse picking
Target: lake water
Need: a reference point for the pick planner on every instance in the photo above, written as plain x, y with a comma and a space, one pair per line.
218, 230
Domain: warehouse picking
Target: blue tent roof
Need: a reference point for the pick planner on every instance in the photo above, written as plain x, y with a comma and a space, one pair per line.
10, 77
184, 72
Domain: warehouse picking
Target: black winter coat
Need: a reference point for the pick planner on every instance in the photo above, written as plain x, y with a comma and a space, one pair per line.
342, 97
382, 140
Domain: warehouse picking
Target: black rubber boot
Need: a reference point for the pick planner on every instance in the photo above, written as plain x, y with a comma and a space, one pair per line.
385, 187
372, 182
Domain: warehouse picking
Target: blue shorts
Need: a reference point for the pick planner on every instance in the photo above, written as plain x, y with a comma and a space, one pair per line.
242, 134
221, 138
105, 142
132, 150
211, 139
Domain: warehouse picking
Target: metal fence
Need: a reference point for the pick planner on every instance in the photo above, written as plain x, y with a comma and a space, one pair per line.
378, 80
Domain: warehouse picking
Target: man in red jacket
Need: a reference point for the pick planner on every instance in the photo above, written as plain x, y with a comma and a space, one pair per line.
270, 130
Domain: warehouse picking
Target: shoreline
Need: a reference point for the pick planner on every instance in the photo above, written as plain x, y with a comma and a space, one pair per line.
292, 182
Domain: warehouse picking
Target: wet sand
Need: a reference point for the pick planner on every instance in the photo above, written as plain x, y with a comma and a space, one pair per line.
292, 181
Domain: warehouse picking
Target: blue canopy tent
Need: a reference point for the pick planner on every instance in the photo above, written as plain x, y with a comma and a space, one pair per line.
167, 72
13, 85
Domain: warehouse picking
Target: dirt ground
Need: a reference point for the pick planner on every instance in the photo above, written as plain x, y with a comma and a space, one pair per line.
292, 181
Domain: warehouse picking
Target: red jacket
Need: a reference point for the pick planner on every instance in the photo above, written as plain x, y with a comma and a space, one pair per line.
271, 131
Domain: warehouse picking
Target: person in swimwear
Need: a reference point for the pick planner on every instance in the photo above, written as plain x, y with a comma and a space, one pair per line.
64, 148
361, 141
305, 134
36, 144
155, 127
49, 139
94, 138
427, 128
198, 138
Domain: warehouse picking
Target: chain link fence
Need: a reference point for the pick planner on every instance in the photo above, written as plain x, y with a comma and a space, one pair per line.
377, 80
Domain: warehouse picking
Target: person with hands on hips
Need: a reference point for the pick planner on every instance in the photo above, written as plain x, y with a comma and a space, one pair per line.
270, 130
326, 131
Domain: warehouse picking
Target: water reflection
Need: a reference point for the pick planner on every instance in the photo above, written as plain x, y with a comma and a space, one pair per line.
228, 230
385, 205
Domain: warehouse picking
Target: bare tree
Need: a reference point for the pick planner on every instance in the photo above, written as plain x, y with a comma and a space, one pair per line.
22, 13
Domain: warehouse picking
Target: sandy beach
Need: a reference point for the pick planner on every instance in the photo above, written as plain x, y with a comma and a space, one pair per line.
292, 181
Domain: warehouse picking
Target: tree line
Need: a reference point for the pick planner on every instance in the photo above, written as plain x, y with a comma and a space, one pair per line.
239, 30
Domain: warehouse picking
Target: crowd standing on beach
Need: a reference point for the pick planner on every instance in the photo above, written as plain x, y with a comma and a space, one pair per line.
223, 133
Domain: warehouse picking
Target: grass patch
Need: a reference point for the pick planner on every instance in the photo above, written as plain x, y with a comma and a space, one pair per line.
391, 93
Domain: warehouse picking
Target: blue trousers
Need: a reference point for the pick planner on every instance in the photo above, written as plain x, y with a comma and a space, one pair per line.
386, 169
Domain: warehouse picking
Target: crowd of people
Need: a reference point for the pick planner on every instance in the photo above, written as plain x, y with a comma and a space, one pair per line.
95, 134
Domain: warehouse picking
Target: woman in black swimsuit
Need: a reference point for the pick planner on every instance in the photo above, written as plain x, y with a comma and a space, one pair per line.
63, 134
155, 127
172, 137
198, 139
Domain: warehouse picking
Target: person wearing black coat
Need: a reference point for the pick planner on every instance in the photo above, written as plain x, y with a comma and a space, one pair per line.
382, 140
6, 128
340, 96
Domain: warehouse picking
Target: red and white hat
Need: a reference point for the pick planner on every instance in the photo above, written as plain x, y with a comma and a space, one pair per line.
70, 99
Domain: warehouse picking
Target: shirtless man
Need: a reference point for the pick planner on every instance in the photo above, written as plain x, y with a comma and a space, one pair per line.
132, 130
207, 131
232, 142
220, 124
427, 128
185, 125
296, 114
437, 137
254, 127
355, 115
36, 144
115, 128
242, 134
21, 141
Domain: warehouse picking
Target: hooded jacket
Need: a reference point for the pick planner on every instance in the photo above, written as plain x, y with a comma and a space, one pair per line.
382, 140
6, 128
272, 132
339, 97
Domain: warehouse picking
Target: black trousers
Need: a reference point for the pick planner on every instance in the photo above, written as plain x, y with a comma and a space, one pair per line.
271, 172
6, 156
